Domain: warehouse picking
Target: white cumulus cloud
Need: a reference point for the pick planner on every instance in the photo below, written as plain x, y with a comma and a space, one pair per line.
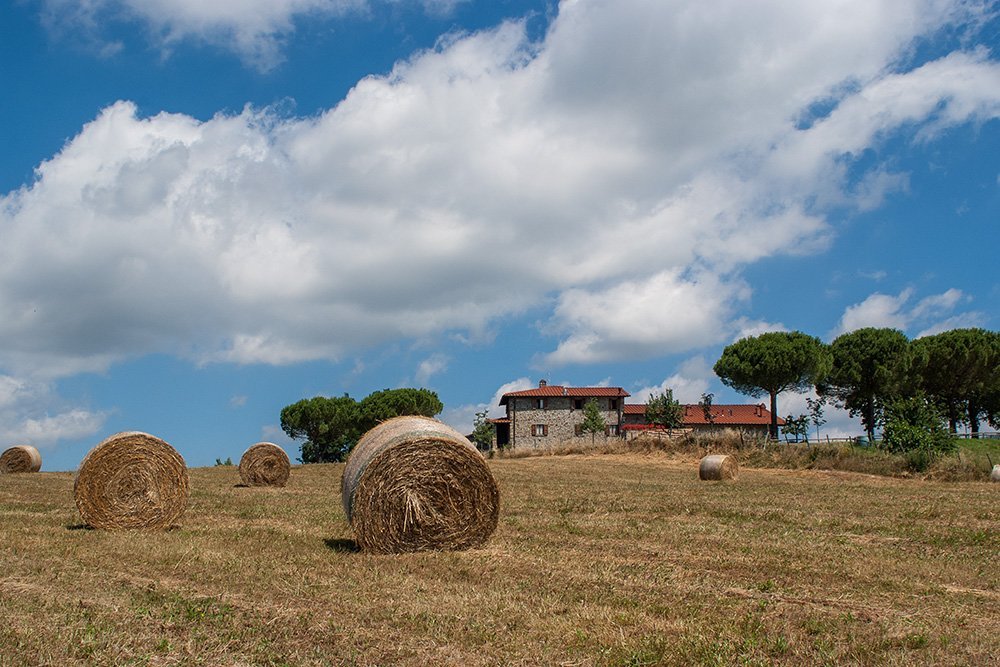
32, 414
692, 379
621, 171
462, 417
256, 30
933, 313
432, 365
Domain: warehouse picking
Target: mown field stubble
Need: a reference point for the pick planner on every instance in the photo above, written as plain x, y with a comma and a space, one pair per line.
597, 560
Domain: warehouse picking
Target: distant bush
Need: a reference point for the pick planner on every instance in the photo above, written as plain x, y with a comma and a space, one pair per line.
914, 426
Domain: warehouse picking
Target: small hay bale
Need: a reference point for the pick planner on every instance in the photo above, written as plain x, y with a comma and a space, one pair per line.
718, 467
265, 464
131, 480
415, 484
20, 458
995, 473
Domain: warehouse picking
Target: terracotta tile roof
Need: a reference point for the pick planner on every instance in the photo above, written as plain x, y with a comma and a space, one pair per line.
574, 392
722, 415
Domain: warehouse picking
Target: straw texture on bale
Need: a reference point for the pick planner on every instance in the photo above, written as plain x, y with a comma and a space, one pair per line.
718, 467
415, 484
995, 473
20, 458
264, 464
132, 480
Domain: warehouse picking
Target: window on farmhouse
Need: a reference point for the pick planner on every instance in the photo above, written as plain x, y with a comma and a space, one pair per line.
612, 429
613, 403
541, 403
578, 430
578, 404
539, 430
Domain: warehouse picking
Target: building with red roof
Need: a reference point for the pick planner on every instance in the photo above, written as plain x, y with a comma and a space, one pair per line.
754, 419
552, 414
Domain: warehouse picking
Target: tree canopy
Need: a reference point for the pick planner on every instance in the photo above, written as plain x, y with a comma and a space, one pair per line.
869, 368
331, 426
593, 421
664, 410
388, 403
960, 371
772, 363
482, 431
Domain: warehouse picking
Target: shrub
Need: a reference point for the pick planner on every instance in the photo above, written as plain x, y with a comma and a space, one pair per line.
914, 424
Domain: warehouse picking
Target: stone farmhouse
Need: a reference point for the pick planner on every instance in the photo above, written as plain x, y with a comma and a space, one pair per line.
552, 414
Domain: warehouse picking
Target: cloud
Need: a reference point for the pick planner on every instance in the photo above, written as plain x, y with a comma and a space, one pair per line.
432, 365
839, 423
664, 314
31, 414
462, 417
746, 328
961, 321
878, 310
692, 379
599, 176
273, 433
255, 30
931, 312
237, 401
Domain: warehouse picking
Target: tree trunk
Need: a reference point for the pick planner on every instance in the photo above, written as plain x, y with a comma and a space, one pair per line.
974, 419
774, 414
955, 410
869, 420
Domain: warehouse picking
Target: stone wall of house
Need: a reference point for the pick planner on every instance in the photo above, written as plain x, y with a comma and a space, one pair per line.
561, 417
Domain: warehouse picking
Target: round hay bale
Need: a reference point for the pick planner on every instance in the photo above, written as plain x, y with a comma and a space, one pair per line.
131, 480
995, 473
265, 464
20, 458
414, 484
718, 467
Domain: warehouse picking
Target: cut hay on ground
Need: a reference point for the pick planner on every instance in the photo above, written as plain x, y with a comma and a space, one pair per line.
414, 484
132, 480
718, 467
20, 458
265, 464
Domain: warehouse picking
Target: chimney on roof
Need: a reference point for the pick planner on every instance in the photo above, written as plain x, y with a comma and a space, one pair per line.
565, 391
542, 383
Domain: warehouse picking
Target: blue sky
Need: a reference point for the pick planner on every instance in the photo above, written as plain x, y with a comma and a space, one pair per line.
212, 210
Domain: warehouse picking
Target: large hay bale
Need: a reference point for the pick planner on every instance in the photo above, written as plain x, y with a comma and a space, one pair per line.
20, 458
131, 480
718, 467
995, 473
265, 464
414, 484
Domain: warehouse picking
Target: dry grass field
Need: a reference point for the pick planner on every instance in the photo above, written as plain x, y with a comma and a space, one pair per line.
598, 560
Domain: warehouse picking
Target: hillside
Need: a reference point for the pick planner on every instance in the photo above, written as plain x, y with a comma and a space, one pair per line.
599, 560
